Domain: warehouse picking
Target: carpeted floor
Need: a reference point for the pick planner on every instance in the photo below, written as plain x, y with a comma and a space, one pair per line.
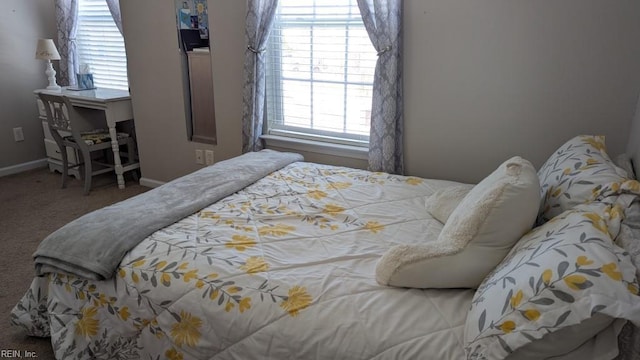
32, 205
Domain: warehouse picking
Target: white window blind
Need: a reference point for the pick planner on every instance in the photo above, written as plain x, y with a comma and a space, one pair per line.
100, 45
320, 67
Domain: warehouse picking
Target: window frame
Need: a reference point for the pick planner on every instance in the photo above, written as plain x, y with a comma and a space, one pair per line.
103, 77
274, 126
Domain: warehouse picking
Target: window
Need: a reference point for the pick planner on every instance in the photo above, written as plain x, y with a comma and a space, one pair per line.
100, 45
320, 67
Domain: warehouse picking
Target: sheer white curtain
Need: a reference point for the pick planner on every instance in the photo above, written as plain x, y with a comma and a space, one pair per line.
114, 9
259, 21
383, 21
67, 23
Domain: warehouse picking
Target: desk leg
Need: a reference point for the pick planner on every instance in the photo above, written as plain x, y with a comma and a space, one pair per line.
116, 150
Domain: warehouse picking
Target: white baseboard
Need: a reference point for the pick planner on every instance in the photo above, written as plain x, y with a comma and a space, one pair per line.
150, 182
14, 169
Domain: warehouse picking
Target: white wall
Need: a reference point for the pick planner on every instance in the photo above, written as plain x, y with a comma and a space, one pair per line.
489, 79
484, 80
22, 22
155, 80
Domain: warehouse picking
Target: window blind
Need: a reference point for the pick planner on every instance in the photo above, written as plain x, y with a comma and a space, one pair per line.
100, 45
320, 66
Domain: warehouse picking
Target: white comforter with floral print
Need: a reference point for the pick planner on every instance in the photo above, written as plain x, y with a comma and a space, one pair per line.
283, 269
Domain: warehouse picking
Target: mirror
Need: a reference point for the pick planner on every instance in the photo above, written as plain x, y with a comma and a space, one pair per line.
192, 21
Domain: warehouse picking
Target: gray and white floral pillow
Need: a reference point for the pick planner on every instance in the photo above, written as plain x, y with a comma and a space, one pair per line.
580, 171
557, 276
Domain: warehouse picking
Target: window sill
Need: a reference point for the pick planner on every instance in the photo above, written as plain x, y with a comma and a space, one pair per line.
354, 152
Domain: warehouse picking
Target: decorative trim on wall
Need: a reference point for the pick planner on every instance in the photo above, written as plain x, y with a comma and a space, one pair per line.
14, 169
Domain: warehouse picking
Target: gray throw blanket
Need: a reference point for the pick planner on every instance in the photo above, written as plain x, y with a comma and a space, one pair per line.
93, 245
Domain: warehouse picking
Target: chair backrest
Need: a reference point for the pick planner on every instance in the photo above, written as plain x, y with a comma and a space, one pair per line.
57, 112
60, 116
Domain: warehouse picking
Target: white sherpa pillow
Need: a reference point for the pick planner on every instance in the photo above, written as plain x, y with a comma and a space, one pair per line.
476, 237
443, 201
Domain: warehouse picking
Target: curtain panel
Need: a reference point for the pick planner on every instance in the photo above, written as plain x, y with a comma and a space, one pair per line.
259, 21
114, 9
383, 21
67, 23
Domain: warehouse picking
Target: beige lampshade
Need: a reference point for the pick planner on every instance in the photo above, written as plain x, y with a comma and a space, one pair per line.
46, 50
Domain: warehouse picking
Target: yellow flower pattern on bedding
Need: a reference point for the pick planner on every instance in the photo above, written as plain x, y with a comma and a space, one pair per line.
87, 325
332, 209
516, 299
611, 270
255, 264
237, 261
597, 221
531, 314
173, 354
317, 194
298, 298
277, 230
240, 242
596, 142
507, 326
414, 181
186, 330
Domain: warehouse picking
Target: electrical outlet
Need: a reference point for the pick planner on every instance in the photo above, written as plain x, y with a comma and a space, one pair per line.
18, 135
199, 157
209, 156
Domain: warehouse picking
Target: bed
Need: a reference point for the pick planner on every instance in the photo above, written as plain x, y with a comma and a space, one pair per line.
285, 263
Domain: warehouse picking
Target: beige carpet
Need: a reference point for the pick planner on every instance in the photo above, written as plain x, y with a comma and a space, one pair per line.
32, 205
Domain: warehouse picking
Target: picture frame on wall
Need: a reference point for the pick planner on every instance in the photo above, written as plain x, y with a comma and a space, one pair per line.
204, 33
184, 17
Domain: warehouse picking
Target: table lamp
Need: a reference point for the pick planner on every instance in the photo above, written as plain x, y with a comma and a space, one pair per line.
46, 50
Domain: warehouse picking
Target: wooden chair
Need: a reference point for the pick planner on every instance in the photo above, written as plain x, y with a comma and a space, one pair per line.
68, 130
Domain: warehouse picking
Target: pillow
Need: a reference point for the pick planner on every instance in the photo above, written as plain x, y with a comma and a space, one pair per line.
629, 236
476, 237
579, 171
629, 239
568, 340
443, 201
559, 276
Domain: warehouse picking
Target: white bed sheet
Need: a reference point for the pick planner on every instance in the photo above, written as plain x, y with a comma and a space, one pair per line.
282, 269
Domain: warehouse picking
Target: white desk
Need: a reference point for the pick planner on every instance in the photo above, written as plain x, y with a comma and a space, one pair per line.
116, 105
